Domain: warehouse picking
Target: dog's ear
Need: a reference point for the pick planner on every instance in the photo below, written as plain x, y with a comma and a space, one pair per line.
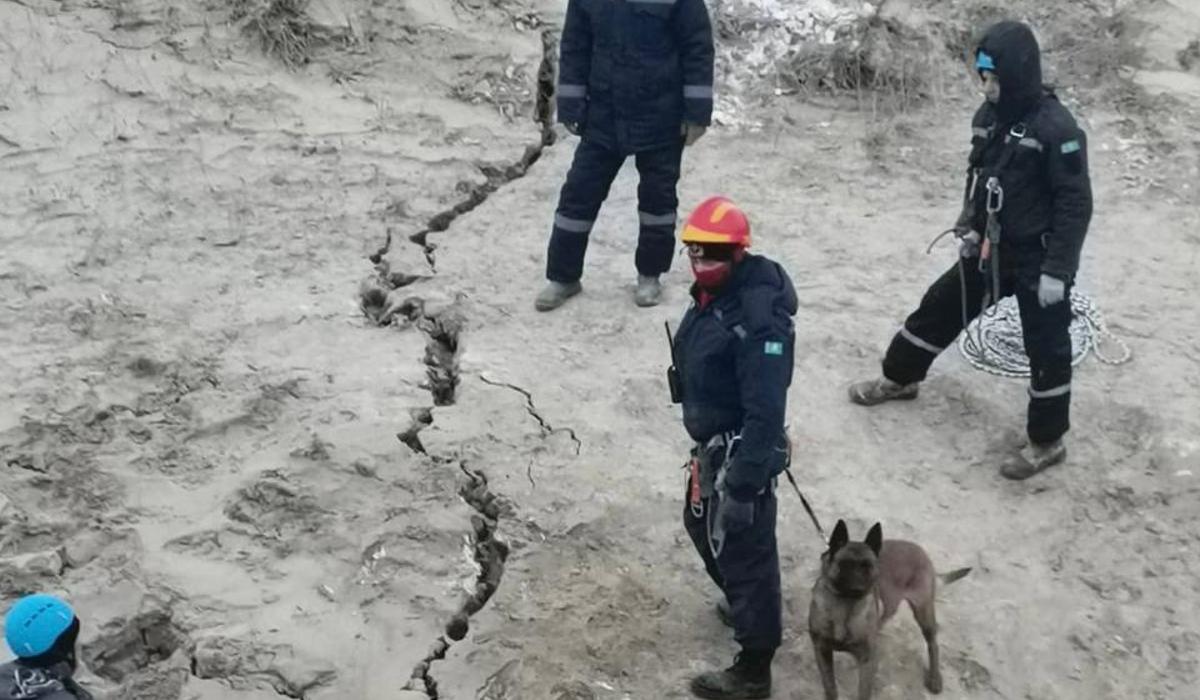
875, 538
839, 538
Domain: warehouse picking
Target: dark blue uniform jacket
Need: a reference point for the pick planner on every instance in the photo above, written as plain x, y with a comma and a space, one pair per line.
734, 359
632, 71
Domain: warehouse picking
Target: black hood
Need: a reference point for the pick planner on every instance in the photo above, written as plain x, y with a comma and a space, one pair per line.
1014, 49
765, 279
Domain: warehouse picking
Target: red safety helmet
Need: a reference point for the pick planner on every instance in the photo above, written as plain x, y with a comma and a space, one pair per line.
717, 221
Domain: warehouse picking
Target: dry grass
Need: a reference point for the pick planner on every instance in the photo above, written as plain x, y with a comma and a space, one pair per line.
892, 67
282, 27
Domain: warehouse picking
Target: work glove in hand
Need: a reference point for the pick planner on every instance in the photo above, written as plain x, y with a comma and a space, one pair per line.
1051, 291
691, 132
968, 244
733, 515
572, 127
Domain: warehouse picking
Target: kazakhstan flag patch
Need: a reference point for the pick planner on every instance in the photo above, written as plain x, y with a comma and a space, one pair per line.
1070, 147
773, 347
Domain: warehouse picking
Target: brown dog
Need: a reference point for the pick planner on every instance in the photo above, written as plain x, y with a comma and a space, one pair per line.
859, 589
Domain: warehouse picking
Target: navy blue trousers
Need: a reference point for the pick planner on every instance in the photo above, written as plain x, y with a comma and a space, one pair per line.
939, 319
746, 570
588, 181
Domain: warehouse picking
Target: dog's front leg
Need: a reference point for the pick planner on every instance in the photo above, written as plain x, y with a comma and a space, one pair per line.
824, 652
868, 663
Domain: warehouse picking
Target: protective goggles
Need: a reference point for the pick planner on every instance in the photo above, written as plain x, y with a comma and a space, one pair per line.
721, 252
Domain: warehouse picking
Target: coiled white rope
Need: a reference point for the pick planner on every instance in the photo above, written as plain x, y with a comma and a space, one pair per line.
994, 343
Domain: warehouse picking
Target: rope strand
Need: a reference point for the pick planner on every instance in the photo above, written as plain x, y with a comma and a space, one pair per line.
993, 343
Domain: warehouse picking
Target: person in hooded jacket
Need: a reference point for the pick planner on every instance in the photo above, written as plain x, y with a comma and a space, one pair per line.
635, 78
42, 631
1028, 164
732, 367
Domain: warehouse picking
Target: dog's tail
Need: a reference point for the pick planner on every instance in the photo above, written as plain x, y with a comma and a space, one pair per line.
956, 575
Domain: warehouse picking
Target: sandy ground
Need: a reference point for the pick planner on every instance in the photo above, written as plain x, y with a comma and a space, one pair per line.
252, 489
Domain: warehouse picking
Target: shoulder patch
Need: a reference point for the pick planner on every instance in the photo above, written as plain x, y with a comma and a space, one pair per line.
772, 347
1071, 146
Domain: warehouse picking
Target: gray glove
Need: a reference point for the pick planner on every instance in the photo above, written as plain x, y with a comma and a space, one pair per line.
1051, 291
691, 132
968, 244
572, 128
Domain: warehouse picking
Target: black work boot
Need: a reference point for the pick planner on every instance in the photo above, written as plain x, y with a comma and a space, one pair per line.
748, 677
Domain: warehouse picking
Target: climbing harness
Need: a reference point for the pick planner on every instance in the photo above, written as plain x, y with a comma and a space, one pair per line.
697, 504
994, 342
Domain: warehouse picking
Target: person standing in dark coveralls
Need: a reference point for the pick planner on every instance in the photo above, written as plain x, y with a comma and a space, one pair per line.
635, 78
733, 365
1028, 165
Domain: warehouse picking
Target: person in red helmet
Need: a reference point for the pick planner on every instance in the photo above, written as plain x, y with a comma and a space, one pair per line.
733, 365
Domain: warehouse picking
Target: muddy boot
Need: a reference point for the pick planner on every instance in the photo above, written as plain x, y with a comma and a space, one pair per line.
725, 612
748, 677
876, 391
556, 294
649, 291
1033, 459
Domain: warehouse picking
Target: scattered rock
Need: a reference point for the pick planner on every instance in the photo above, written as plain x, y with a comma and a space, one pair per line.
145, 368
574, 690
84, 548
28, 572
245, 664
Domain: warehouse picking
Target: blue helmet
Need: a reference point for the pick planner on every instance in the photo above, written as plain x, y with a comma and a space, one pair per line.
34, 624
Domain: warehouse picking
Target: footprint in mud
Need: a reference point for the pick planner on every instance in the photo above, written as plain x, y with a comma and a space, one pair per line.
133, 652
178, 463
276, 509
973, 675
68, 485
245, 664
1132, 429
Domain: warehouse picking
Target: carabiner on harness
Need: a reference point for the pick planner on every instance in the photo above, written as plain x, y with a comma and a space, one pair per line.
995, 195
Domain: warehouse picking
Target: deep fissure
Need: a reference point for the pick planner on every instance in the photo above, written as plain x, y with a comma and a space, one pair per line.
442, 348
490, 554
495, 176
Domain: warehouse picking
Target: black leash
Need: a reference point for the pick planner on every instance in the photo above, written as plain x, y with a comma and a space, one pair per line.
812, 516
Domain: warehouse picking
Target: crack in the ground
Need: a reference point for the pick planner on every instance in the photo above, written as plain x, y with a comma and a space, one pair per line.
495, 177
490, 554
422, 418
441, 356
443, 331
546, 428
